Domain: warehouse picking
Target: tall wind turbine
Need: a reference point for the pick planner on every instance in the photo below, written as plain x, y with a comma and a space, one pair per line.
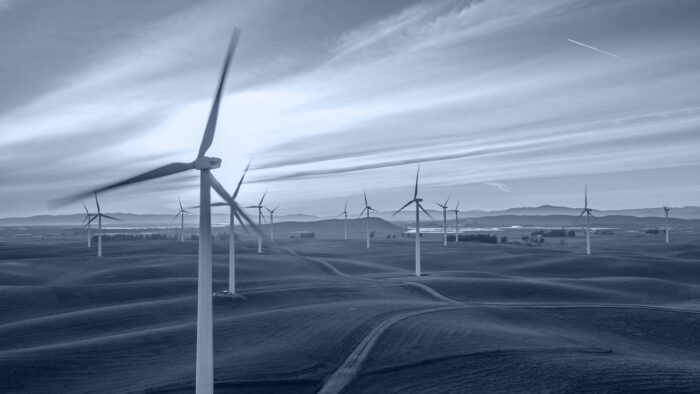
367, 209
666, 209
87, 221
419, 207
260, 219
589, 213
99, 217
181, 213
272, 222
234, 213
444, 220
456, 211
345, 212
205, 347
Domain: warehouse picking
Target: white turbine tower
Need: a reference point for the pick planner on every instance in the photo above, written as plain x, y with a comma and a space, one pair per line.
234, 213
419, 207
181, 213
456, 211
589, 214
260, 219
99, 217
444, 220
367, 209
345, 222
205, 347
666, 210
87, 221
272, 222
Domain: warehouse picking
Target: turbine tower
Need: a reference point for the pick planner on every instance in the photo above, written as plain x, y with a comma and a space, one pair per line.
99, 217
419, 207
589, 214
87, 222
260, 219
235, 212
444, 220
456, 211
666, 209
272, 222
367, 209
205, 348
181, 213
345, 212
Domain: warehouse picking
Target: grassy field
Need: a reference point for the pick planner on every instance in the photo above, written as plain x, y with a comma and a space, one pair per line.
330, 315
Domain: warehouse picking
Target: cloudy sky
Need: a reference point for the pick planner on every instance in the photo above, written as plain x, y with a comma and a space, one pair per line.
330, 97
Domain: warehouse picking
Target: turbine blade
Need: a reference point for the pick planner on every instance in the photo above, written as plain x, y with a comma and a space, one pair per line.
86, 210
457, 207
238, 212
446, 201
91, 219
363, 211
415, 193
159, 172
346, 206
238, 187
424, 211
110, 217
219, 189
263, 197
219, 204
97, 202
365, 193
579, 216
586, 198
176, 216
401, 209
208, 137
180, 201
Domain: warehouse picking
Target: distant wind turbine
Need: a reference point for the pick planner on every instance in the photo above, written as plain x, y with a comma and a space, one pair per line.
99, 217
235, 212
589, 214
87, 222
345, 212
272, 222
419, 207
367, 209
456, 211
260, 219
181, 213
666, 210
444, 220
205, 348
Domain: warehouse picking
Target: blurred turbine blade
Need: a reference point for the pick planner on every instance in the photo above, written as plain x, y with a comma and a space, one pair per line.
238, 212
219, 204
446, 201
238, 187
110, 217
84, 206
219, 189
208, 137
159, 172
424, 211
363, 211
263, 197
240, 220
579, 216
176, 216
97, 202
180, 201
365, 193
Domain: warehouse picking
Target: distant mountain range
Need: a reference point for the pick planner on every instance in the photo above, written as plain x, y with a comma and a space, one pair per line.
517, 215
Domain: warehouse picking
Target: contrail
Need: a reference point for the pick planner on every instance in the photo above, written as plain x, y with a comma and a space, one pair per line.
600, 50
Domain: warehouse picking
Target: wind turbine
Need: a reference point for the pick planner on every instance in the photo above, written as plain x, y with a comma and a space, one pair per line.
367, 209
205, 347
87, 221
588, 212
419, 207
272, 222
234, 212
260, 219
444, 220
181, 213
99, 217
666, 209
456, 211
345, 212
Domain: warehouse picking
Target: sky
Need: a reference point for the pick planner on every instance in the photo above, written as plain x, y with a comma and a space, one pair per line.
502, 103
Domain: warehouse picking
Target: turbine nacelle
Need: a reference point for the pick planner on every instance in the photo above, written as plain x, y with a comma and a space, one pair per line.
207, 163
